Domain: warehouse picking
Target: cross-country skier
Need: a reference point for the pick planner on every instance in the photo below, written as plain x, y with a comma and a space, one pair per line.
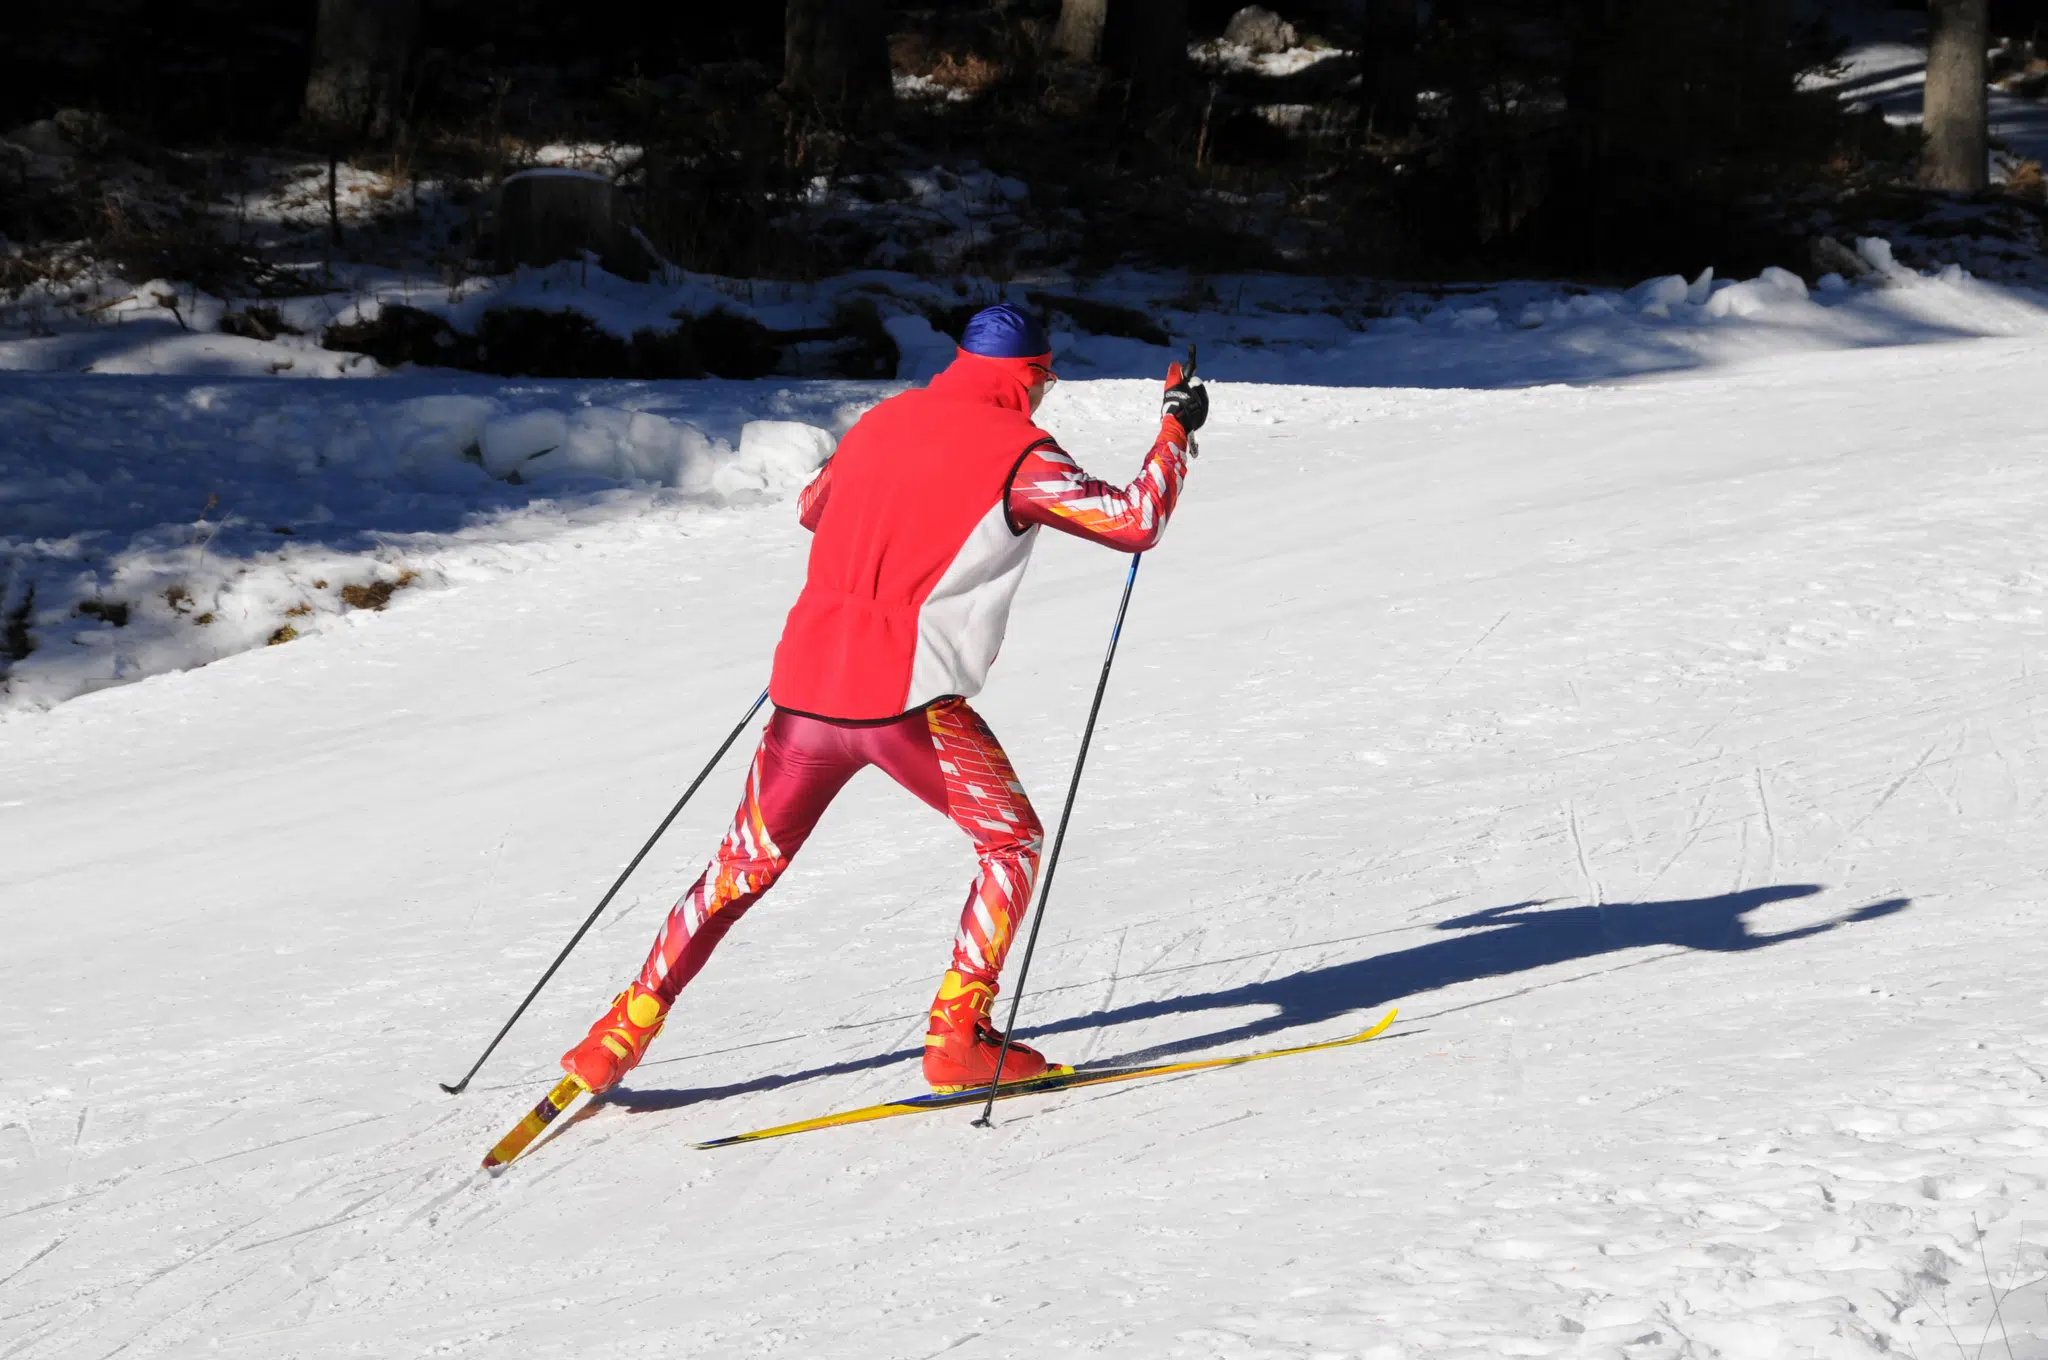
923, 520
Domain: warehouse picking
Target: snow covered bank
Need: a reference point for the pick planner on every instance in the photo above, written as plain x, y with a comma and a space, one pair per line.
1255, 328
155, 525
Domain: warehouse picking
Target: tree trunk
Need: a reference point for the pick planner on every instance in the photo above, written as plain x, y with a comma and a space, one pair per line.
1147, 44
1958, 33
1079, 35
361, 49
835, 53
1391, 31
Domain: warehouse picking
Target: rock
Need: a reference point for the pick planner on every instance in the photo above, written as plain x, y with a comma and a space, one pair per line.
1832, 257
256, 323
85, 130
63, 135
1260, 30
393, 335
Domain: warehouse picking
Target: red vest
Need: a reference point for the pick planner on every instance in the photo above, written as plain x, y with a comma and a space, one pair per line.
914, 563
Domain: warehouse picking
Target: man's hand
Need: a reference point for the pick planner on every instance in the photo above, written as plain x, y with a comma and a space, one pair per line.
1186, 399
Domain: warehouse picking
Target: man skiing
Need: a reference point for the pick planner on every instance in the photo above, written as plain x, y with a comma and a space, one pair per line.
924, 520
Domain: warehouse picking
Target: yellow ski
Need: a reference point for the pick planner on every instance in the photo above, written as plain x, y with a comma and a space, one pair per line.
535, 1124
1067, 1081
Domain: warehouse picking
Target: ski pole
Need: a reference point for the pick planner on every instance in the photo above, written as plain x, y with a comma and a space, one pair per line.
1059, 838
591, 919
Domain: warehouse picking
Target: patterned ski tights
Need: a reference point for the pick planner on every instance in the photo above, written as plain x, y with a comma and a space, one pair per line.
944, 754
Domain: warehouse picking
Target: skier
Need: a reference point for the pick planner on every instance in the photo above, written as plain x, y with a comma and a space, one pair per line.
923, 520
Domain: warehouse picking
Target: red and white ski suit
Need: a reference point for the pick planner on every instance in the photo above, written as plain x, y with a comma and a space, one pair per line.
924, 519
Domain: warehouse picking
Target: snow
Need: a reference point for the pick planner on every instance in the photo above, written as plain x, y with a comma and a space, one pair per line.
1262, 327
1220, 55
275, 502
1664, 745
924, 88
216, 514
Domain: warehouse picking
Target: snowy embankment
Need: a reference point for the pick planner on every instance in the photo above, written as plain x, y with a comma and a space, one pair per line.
293, 507
1668, 752
180, 504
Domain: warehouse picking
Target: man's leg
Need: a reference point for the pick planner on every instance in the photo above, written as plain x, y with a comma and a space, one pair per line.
967, 777
799, 768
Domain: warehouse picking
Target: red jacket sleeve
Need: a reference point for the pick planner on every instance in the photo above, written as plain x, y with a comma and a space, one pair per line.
810, 502
1049, 488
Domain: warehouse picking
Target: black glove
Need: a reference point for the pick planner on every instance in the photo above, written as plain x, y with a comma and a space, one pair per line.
1186, 399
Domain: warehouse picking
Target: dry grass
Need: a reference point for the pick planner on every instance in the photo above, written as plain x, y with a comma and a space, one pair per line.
969, 71
284, 634
377, 594
2027, 181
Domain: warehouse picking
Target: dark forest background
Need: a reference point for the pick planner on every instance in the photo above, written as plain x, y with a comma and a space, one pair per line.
1594, 138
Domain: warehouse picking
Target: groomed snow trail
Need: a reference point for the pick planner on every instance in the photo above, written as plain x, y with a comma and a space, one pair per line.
1669, 753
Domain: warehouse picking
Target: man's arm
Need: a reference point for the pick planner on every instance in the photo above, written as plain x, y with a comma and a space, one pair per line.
810, 502
1050, 488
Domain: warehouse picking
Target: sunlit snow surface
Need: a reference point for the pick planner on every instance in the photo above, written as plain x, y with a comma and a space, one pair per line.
1667, 749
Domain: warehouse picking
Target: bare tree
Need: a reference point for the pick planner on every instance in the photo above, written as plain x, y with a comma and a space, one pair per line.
836, 52
1079, 35
361, 49
1958, 33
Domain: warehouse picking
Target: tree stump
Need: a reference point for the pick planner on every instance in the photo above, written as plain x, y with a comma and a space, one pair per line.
550, 214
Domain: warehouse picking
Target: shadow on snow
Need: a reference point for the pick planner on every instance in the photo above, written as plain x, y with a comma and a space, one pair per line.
1497, 942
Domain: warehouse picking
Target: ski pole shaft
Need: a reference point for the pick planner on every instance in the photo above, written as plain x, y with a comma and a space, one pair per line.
619, 883
1059, 839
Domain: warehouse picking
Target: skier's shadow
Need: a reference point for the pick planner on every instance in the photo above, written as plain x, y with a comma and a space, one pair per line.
1497, 942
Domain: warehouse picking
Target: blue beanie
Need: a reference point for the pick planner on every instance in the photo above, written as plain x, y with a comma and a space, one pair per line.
1005, 332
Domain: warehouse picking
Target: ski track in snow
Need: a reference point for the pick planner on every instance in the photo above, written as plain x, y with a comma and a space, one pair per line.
1668, 753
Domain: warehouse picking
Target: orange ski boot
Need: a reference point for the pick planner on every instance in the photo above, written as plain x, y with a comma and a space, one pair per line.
617, 1040
960, 1045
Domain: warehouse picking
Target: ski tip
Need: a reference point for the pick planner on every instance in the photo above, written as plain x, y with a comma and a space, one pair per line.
530, 1129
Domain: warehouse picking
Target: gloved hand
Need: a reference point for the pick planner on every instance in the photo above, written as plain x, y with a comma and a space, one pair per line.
1186, 399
